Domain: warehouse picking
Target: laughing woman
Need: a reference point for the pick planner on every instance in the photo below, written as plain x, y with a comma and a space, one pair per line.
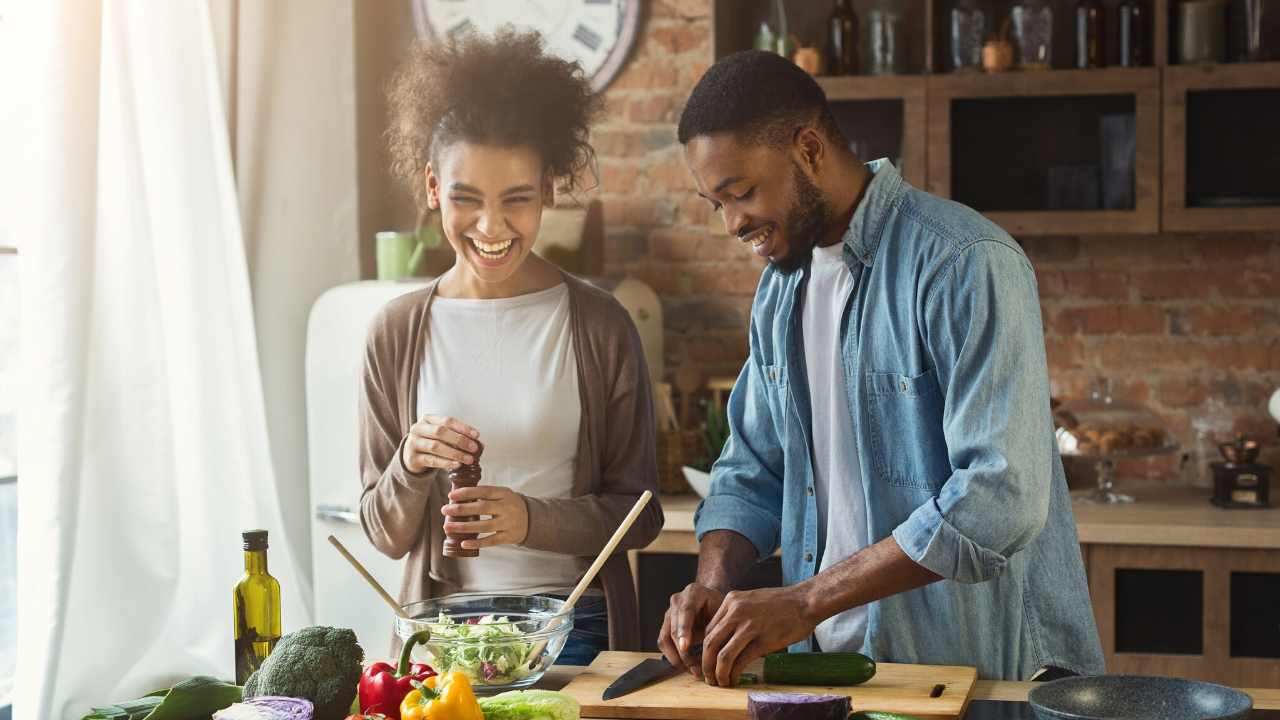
507, 350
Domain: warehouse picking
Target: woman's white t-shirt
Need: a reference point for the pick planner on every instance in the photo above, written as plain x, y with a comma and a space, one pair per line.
507, 368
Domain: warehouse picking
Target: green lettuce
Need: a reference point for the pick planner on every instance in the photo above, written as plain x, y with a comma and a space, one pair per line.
530, 705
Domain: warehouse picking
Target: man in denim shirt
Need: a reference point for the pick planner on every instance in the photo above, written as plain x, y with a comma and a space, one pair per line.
916, 491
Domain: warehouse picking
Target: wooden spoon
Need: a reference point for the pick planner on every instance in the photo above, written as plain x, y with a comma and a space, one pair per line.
386, 596
536, 651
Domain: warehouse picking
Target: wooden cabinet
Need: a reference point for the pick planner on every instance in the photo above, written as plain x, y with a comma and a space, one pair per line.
1221, 147
996, 140
1205, 613
1007, 143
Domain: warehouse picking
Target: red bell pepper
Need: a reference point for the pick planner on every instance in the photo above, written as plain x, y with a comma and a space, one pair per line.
382, 687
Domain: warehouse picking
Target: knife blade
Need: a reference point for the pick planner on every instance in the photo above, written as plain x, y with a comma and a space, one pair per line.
649, 671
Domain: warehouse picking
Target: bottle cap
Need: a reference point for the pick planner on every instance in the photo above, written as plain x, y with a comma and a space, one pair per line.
254, 539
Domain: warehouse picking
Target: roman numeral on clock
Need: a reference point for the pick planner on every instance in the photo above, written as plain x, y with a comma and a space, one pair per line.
587, 36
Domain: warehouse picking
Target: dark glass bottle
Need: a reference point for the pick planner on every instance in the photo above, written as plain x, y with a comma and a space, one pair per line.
1090, 31
842, 39
256, 607
1135, 23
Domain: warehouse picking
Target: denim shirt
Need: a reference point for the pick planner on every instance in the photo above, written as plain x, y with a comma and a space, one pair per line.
944, 367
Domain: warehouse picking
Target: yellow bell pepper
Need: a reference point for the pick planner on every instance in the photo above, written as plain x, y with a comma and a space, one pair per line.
444, 697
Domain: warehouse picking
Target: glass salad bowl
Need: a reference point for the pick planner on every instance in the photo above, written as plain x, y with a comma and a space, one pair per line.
1104, 431
501, 642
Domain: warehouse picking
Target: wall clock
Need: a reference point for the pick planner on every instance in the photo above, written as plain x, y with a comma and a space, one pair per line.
596, 33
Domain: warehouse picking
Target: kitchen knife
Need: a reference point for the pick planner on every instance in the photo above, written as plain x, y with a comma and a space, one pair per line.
648, 671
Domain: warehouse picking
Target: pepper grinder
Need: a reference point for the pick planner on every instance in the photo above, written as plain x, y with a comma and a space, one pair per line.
464, 476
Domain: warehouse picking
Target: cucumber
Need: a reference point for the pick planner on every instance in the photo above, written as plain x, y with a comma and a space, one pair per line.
877, 715
830, 669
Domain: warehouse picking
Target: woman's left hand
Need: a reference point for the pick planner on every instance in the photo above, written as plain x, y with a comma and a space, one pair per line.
509, 517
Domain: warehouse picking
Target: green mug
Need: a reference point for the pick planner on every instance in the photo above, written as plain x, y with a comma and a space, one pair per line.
399, 254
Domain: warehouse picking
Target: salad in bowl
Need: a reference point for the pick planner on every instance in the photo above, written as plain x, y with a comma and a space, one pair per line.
500, 642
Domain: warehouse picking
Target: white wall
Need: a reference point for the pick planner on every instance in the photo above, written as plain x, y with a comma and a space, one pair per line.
295, 154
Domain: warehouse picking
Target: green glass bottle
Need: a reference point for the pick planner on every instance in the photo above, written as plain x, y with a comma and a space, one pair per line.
256, 603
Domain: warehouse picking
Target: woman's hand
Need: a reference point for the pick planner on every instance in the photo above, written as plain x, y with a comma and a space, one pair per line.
509, 521
439, 441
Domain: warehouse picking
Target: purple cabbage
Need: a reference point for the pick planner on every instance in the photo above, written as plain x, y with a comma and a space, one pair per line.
797, 706
269, 707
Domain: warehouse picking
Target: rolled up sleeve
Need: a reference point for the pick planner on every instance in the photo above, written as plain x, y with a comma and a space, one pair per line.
746, 480
984, 334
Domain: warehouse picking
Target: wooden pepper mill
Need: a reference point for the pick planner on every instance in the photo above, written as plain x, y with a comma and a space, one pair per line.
464, 476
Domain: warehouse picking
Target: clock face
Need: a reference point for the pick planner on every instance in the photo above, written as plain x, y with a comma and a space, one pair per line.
596, 33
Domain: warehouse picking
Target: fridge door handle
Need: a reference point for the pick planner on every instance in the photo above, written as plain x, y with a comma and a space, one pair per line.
337, 513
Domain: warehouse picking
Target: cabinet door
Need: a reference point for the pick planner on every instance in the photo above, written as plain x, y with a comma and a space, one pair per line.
1204, 613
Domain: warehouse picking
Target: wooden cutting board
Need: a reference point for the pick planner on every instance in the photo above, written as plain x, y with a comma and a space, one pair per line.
895, 688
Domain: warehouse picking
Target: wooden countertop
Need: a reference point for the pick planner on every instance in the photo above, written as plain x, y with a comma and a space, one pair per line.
1263, 699
1162, 515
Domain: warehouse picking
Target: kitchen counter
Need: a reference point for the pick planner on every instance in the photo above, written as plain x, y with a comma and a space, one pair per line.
1263, 699
1162, 516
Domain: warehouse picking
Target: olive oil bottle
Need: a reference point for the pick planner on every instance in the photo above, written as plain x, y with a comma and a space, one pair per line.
256, 604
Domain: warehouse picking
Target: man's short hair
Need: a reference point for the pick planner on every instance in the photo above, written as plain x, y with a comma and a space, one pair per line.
761, 97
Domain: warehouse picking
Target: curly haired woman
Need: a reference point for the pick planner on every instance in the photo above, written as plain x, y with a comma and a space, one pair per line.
504, 349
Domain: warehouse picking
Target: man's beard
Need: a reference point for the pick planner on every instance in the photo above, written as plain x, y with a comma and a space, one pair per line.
808, 222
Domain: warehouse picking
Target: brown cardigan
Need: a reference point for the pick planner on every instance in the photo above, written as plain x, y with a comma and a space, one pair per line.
616, 460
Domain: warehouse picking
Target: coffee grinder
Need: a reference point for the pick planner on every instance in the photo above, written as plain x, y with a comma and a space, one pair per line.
1241, 482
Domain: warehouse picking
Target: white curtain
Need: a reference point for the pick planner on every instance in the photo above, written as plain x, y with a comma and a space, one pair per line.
142, 441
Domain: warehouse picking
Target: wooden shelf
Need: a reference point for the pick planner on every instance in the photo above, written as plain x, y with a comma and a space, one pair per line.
1141, 83
1179, 81
1044, 83
911, 91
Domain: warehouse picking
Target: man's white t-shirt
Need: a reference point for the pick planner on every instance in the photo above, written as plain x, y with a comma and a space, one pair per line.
842, 514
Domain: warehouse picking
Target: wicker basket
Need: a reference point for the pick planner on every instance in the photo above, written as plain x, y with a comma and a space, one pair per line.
676, 449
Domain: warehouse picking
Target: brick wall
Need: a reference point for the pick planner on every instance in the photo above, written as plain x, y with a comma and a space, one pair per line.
1175, 321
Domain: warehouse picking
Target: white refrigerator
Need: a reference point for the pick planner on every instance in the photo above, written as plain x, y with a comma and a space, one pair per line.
336, 332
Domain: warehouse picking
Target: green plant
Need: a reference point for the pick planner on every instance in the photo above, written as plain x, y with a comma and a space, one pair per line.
321, 664
715, 433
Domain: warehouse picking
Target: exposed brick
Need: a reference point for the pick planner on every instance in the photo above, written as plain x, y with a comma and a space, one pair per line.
619, 177
682, 9
652, 74
671, 174
1051, 250
1063, 353
681, 38
1051, 283
1229, 248
1181, 392
1171, 284
1119, 354
726, 279
638, 212
1110, 319
658, 108
1126, 251
1250, 283
1259, 355
1229, 320
1097, 284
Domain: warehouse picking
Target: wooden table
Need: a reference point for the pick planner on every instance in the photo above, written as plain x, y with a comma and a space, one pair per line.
1263, 699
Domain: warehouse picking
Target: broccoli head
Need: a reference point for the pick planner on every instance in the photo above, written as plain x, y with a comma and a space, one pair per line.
321, 664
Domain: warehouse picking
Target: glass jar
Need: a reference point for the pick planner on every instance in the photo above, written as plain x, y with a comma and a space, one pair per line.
1033, 34
842, 39
969, 28
884, 38
1202, 31
1135, 29
1090, 31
